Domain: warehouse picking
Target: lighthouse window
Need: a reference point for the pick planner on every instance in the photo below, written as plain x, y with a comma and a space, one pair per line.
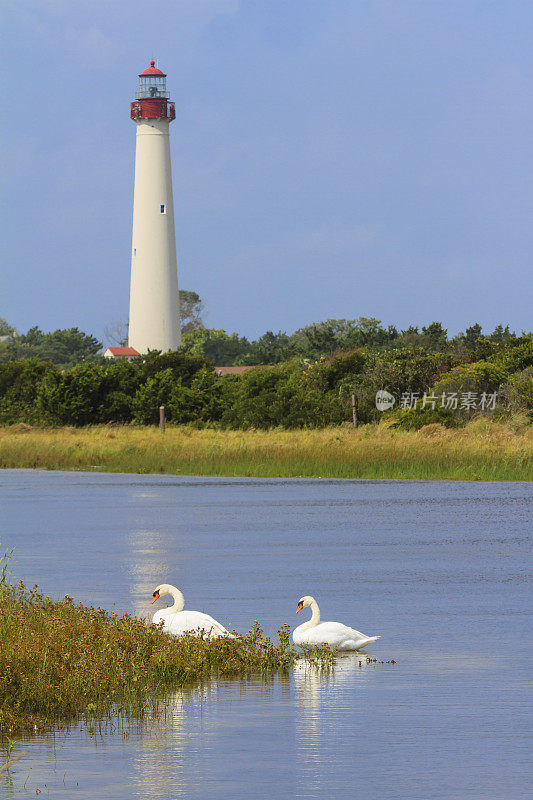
152, 86
163, 208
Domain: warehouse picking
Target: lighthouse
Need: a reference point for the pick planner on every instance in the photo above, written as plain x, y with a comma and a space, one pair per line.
154, 322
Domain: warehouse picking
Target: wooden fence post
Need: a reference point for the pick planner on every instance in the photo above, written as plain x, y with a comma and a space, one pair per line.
162, 419
354, 411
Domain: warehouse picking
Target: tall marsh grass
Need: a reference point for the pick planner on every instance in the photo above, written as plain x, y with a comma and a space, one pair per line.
482, 450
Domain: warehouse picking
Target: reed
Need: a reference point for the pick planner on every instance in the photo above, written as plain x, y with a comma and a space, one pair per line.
62, 660
482, 450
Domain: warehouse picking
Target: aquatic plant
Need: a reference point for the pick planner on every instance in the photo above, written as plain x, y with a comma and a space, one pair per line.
61, 660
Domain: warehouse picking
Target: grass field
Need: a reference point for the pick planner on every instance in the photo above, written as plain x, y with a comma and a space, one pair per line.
482, 450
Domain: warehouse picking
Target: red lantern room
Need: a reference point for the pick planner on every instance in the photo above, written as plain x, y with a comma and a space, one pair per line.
151, 98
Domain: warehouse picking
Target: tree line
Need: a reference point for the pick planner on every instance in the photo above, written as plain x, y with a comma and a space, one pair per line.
311, 388
71, 346
335, 335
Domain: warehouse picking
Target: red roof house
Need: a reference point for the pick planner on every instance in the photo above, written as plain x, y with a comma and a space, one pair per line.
121, 352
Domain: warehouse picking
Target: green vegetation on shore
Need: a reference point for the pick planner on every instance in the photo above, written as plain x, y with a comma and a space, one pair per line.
309, 384
61, 661
427, 387
481, 450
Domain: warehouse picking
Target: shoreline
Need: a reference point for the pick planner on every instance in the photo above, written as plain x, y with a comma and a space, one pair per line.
63, 662
481, 451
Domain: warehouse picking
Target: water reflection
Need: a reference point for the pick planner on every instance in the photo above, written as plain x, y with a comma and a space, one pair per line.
323, 698
160, 753
178, 744
147, 567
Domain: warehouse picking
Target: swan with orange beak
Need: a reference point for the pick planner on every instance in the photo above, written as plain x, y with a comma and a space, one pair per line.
177, 621
314, 633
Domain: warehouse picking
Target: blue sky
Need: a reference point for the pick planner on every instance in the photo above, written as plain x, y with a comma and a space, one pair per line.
331, 158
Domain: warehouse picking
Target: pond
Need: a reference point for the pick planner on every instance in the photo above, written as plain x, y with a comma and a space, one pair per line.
438, 569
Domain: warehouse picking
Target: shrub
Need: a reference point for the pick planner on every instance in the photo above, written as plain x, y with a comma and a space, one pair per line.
399, 370
73, 397
411, 419
266, 398
517, 393
154, 392
290, 395
516, 358
480, 376
477, 378
327, 374
199, 403
181, 364
116, 407
217, 346
19, 387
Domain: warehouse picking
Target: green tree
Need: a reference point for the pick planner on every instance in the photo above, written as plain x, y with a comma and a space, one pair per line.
201, 402
89, 393
6, 329
471, 336
325, 338
64, 347
219, 347
270, 348
500, 334
20, 382
516, 357
370, 332
436, 335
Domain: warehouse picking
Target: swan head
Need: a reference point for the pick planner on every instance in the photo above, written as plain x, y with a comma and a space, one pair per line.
166, 588
305, 601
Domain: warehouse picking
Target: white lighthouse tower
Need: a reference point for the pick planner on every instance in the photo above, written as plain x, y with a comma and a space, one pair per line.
154, 322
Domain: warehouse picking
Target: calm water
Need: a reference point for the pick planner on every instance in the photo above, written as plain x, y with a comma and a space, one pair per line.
438, 569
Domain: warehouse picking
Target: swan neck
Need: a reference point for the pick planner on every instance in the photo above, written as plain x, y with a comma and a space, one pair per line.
315, 617
179, 601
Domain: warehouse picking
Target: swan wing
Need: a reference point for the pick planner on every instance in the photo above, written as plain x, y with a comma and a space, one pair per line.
336, 635
190, 621
332, 633
209, 624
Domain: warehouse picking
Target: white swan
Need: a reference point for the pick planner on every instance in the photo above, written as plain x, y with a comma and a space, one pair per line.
315, 633
177, 621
